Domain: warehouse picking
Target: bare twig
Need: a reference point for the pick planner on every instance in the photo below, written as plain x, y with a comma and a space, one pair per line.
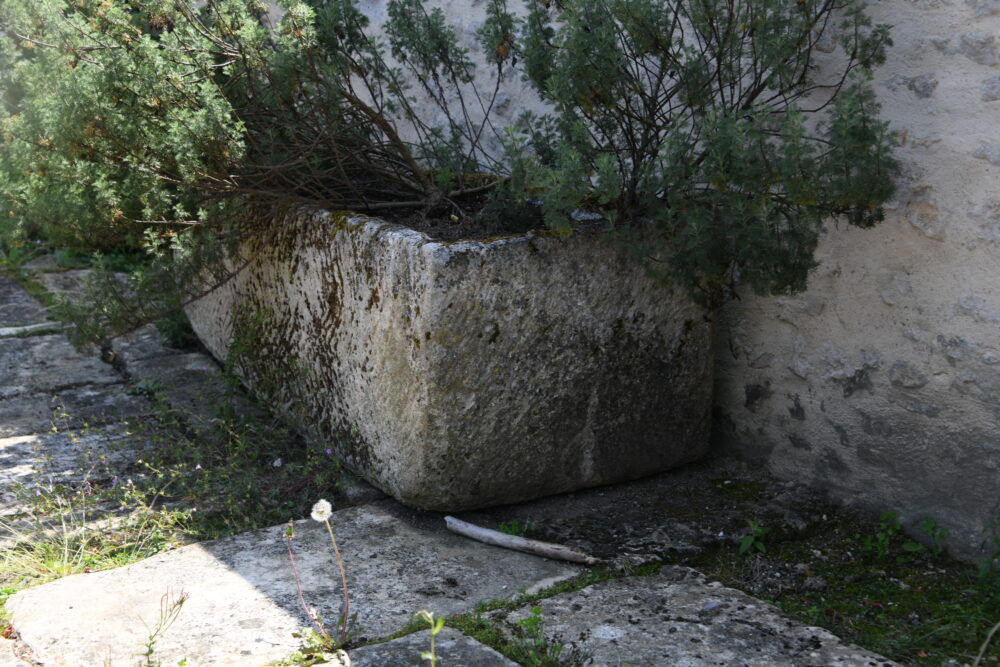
982, 649
496, 538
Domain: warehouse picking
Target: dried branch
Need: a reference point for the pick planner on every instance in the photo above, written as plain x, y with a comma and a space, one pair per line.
496, 538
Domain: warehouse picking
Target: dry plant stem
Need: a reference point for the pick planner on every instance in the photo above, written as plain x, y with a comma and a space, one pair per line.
343, 580
298, 589
982, 649
496, 538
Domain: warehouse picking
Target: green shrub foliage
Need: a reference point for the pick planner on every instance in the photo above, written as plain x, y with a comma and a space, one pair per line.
697, 129
705, 118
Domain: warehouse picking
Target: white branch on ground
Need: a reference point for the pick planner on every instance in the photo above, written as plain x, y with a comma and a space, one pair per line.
496, 538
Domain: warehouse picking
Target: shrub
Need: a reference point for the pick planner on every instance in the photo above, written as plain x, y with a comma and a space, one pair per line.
695, 128
704, 118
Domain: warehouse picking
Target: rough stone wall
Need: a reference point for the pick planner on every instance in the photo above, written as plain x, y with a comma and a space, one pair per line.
881, 382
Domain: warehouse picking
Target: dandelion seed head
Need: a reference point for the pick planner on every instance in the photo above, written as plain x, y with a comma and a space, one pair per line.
322, 510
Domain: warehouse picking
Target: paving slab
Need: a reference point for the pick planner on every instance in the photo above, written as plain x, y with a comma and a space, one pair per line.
352, 490
678, 618
143, 343
14, 654
7, 657
451, 647
40, 461
17, 307
25, 414
67, 283
654, 519
48, 364
191, 383
43, 262
242, 606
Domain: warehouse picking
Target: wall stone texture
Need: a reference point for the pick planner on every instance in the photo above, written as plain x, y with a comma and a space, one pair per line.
460, 375
881, 382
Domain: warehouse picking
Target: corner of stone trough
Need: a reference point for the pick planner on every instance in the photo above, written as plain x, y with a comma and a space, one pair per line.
475, 373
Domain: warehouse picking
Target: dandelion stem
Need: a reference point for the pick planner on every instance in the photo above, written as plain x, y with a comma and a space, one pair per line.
343, 580
298, 588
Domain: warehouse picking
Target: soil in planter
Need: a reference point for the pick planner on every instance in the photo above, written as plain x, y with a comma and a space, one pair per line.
472, 217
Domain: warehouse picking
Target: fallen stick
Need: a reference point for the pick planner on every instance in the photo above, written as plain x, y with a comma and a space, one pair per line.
496, 538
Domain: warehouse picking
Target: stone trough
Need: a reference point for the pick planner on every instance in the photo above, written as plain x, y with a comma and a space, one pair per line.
466, 374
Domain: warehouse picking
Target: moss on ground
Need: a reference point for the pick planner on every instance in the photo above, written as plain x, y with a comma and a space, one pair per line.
740, 489
887, 594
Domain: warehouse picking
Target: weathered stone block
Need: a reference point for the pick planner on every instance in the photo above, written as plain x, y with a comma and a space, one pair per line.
451, 648
49, 365
16, 306
458, 375
679, 618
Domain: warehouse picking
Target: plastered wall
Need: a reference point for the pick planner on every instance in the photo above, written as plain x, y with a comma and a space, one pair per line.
881, 382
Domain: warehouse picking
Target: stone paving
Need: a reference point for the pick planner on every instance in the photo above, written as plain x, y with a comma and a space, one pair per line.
63, 421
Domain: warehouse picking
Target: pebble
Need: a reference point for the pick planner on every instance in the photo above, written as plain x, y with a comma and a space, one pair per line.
814, 584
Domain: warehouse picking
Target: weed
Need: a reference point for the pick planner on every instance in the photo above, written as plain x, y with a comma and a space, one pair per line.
34, 288
170, 609
176, 330
938, 535
315, 650
5, 593
76, 539
13, 257
146, 386
740, 489
991, 544
321, 512
44, 330
527, 645
912, 607
67, 258
754, 540
311, 613
877, 545
119, 260
226, 467
436, 625
514, 527
532, 624
534, 649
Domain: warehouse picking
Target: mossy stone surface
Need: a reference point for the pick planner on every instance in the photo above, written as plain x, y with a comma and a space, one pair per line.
471, 373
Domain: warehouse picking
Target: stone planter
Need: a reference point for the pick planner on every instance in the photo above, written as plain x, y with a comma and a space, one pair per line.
467, 374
